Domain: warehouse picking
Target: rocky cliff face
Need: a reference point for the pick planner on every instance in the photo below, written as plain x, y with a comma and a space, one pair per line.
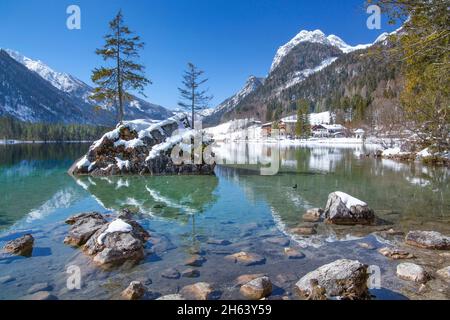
145, 147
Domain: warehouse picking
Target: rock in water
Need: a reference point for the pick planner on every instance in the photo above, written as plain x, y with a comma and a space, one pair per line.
257, 288
22, 246
313, 215
411, 272
317, 292
83, 227
112, 244
342, 278
428, 240
245, 278
135, 291
144, 147
246, 259
344, 209
198, 291
395, 253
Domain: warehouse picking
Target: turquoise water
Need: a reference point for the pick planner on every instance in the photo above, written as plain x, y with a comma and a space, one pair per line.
182, 213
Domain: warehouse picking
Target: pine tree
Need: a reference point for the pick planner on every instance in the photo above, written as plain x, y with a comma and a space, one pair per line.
302, 127
113, 83
194, 99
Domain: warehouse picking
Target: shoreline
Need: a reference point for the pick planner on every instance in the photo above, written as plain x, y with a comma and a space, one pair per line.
16, 142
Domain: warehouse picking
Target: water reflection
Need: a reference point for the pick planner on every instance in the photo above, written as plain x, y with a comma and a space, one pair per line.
404, 196
172, 197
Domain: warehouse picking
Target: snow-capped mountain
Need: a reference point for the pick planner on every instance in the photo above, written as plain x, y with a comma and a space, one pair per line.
137, 108
324, 70
316, 36
251, 85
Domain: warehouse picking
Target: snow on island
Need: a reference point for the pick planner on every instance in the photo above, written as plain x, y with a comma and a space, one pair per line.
143, 147
350, 201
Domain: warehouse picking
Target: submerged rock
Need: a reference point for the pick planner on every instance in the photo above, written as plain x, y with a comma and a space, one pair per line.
40, 295
198, 291
313, 215
304, 231
411, 272
44, 286
195, 261
246, 259
22, 246
145, 147
293, 253
257, 289
343, 209
342, 278
171, 273
7, 279
135, 291
190, 273
83, 227
395, 253
428, 240
280, 241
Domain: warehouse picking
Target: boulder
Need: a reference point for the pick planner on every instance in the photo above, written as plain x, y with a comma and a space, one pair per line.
246, 259
343, 209
317, 292
198, 291
411, 272
245, 278
135, 291
257, 289
444, 273
395, 253
342, 278
428, 240
313, 215
116, 243
22, 246
83, 226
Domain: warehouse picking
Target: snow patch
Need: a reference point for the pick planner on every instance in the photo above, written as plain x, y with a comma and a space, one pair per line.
350, 201
117, 225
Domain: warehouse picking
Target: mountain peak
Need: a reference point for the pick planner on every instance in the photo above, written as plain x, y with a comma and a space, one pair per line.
316, 36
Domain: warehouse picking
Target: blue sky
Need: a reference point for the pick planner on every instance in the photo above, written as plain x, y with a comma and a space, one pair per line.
229, 39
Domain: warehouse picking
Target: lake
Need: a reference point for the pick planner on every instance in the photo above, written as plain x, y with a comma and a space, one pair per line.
254, 213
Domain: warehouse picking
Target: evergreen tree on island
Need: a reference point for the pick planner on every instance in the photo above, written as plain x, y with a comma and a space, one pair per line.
194, 98
113, 83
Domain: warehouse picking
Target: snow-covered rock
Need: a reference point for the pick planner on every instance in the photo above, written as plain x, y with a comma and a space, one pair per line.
344, 209
145, 147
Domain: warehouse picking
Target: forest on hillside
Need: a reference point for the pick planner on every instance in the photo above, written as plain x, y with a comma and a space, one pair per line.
18, 130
